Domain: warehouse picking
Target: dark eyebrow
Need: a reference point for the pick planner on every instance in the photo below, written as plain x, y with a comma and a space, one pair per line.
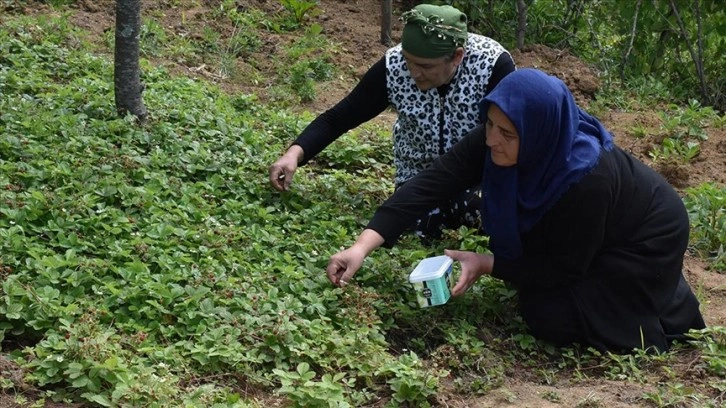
489, 120
425, 65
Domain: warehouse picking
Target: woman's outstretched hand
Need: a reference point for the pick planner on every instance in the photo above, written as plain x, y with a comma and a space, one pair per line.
473, 266
343, 265
282, 171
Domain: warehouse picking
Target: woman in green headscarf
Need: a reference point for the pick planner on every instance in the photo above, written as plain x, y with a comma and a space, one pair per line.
434, 79
433, 37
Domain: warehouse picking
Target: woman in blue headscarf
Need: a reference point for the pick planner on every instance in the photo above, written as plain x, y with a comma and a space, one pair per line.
592, 238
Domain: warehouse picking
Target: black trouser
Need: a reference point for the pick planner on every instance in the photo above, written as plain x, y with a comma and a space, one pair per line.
552, 316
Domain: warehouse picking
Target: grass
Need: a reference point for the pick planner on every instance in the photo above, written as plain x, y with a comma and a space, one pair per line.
154, 266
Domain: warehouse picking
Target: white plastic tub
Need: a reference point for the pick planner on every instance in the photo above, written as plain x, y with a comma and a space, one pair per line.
431, 279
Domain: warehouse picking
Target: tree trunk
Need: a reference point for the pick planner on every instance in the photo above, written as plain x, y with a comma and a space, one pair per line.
386, 17
521, 22
127, 73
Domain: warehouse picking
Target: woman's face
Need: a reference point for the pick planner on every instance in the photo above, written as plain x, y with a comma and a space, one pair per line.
502, 137
433, 72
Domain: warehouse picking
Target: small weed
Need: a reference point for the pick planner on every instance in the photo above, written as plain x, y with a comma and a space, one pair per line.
60, 3
639, 131
307, 62
7, 385
706, 206
525, 341
21, 400
298, 10
719, 122
688, 123
712, 343
551, 396
633, 366
210, 38
475, 384
508, 396
649, 91
613, 97
301, 80
590, 401
677, 150
243, 42
153, 40
548, 375
674, 395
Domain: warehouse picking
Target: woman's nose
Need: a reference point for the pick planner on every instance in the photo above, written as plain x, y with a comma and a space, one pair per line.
491, 138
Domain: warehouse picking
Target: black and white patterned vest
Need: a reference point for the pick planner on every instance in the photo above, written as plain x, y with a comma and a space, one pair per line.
428, 125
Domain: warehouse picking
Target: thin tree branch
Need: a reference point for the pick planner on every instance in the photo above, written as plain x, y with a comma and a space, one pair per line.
699, 42
627, 52
698, 62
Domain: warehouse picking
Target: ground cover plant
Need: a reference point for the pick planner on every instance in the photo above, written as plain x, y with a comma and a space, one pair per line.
153, 266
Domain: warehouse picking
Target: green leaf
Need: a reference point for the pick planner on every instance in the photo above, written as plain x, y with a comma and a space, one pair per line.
13, 310
303, 368
80, 382
98, 399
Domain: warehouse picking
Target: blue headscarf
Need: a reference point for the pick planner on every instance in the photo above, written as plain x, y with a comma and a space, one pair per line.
559, 144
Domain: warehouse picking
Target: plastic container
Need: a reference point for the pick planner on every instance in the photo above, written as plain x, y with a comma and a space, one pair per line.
431, 279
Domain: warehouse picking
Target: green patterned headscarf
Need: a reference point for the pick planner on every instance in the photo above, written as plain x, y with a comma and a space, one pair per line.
433, 31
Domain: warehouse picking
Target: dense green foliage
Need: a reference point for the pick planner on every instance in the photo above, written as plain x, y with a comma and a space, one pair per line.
674, 42
154, 266
144, 259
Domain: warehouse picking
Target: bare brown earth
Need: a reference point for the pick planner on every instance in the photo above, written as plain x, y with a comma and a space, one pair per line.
355, 24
